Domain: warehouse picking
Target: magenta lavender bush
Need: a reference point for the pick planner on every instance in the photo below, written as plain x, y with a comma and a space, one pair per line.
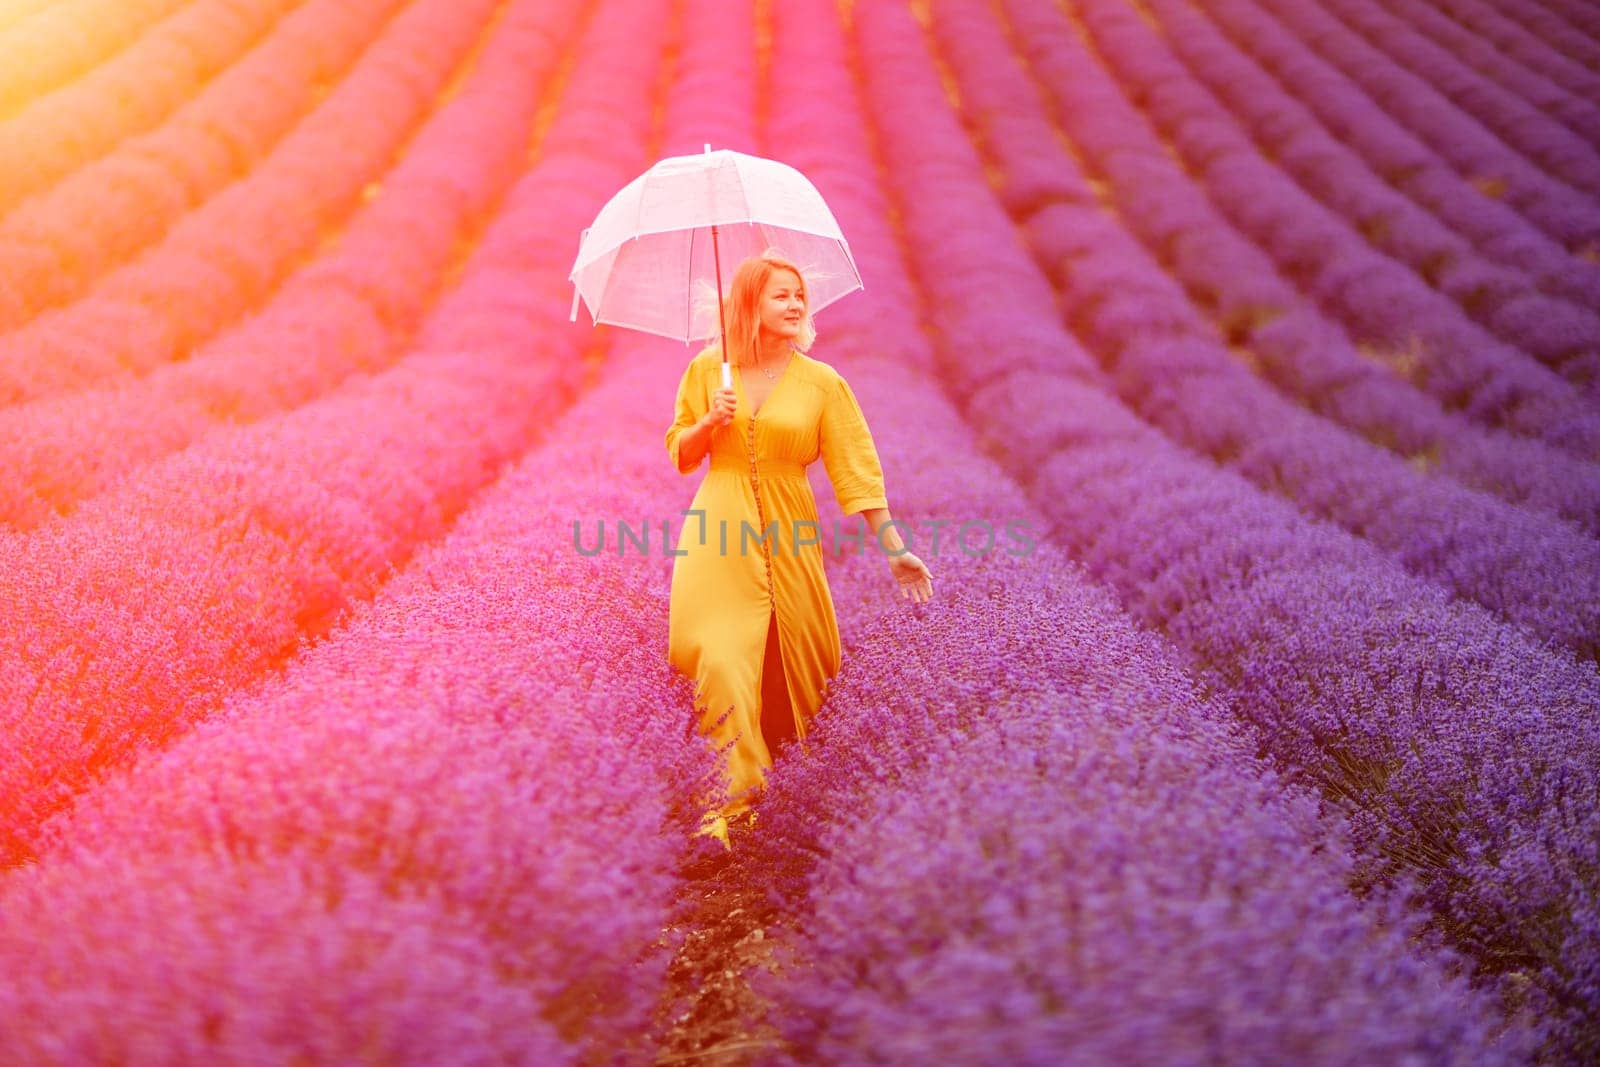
443, 746
1536, 86
1129, 923
1295, 347
127, 94
1538, 37
1555, 206
1392, 152
414, 982
1169, 367
302, 515
1382, 303
1556, 331
1434, 39
492, 761
1554, 149
51, 47
349, 311
916, 709
1440, 733
447, 743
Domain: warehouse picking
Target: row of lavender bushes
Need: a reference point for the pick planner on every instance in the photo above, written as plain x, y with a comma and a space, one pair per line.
1516, 122
154, 600
127, 94
1534, 83
1380, 301
449, 833
1547, 140
1169, 366
347, 312
1020, 835
1462, 753
1538, 38
1294, 346
1559, 330
51, 45
55, 246
493, 761
1260, 314
1550, 202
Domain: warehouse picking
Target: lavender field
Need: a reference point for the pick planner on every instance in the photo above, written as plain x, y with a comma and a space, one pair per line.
1273, 325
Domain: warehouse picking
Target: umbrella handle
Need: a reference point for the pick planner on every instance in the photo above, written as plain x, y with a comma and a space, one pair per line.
722, 319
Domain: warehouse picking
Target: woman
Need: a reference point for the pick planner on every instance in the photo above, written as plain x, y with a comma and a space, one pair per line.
751, 620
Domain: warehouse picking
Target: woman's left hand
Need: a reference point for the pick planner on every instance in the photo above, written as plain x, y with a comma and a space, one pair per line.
912, 574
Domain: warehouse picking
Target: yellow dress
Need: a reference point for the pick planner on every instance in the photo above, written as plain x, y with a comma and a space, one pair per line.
743, 559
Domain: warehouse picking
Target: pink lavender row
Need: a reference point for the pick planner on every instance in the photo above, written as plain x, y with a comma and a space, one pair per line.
1005, 727
216, 563
1019, 837
448, 834
1554, 204
1169, 367
1384, 303
906, 438
230, 253
347, 312
1261, 315
498, 737
129, 94
715, 97
1550, 145
1462, 752
1562, 331
1563, 42
408, 978
1501, 299
1561, 16
1026, 876
56, 44
55, 246
1533, 83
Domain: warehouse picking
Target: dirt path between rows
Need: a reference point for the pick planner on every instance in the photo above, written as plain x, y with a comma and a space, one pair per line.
708, 1013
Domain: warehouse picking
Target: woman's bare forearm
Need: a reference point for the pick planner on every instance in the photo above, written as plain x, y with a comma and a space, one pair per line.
888, 536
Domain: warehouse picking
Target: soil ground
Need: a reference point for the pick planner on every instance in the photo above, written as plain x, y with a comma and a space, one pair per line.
708, 1014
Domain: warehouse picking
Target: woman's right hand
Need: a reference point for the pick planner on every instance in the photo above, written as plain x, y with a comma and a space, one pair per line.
723, 403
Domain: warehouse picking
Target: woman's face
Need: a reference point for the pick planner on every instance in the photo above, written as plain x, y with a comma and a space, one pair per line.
783, 305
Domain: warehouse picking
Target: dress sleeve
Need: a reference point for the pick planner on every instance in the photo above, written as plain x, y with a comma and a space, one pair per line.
848, 452
691, 408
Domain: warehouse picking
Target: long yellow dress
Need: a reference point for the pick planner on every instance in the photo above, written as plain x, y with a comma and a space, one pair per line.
744, 561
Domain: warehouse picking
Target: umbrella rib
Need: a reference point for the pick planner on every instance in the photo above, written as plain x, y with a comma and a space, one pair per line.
845, 248
638, 211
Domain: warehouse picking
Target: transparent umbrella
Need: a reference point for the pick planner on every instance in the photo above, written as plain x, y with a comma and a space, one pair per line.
663, 238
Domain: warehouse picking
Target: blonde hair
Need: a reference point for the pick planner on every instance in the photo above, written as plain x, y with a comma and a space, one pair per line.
743, 307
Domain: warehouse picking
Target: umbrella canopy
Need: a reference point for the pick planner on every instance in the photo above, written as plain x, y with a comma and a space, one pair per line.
668, 234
